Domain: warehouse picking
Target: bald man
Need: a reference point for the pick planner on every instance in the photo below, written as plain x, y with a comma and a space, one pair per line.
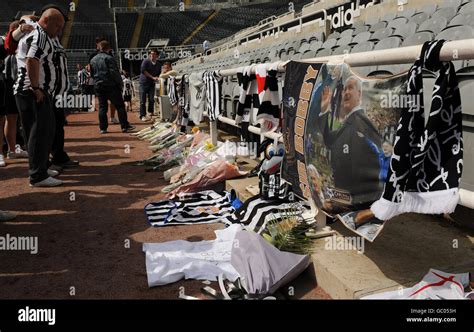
33, 88
354, 163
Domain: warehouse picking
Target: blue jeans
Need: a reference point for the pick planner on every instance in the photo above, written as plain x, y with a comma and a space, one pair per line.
147, 91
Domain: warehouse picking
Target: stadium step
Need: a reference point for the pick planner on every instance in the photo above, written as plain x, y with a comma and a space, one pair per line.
200, 27
137, 31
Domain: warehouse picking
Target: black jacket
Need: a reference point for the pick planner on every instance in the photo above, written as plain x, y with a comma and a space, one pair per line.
105, 71
3, 55
355, 165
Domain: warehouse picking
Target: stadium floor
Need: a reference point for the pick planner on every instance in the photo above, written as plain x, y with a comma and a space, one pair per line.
83, 243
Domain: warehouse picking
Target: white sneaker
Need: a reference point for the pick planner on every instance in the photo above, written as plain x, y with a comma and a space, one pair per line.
2, 161
114, 121
48, 182
143, 119
17, 154
53, 173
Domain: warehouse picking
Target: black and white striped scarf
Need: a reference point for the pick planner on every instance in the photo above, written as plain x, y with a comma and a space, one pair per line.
172, 91
248, 96
253, 212
193, 208
426, 165
213, 94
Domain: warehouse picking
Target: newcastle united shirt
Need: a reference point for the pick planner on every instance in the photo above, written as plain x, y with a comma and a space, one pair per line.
37, 44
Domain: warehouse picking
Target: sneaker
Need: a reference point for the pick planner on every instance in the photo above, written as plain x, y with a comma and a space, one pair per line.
114, 121
70, 164
56, 168
103, 131
17, 154
52, 173
143, 119
48, 182
128, 129
2, 161
6, 216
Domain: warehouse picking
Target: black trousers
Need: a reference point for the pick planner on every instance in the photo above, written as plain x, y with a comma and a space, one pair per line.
59, 156
115, 97
38, 123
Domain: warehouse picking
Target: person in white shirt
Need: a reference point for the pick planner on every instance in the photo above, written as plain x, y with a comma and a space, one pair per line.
127, 92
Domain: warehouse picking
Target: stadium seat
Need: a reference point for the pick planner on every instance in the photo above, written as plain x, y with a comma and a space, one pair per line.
406, 30
296, 56
323, 52
330, 43
463, 19
467, 8
434, 24
447, 12
360, 29
309, 55
304, 47
381, 34
397, 22
390, 42
346, 33
362, 37
378, 26
419, 18
456, 33
418, 38
343, 49
315, 45
344, 41
363, 47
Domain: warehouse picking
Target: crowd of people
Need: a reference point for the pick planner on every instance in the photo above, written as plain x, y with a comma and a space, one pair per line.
34, 75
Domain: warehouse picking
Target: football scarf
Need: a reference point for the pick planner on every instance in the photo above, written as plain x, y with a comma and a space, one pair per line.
254, 211
197, 208
426, 165
248, 96
212, 81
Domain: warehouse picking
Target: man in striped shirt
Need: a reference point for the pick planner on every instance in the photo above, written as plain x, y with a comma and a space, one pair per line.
33, 89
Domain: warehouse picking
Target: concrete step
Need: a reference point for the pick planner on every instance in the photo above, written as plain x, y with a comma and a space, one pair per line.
402, 254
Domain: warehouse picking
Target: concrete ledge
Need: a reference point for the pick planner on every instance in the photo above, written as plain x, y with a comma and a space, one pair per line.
407, 248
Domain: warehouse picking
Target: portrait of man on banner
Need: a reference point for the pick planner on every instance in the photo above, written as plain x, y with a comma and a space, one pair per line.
349, 137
